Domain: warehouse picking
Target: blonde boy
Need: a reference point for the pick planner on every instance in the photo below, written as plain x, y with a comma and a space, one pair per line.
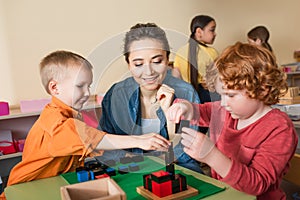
59, 140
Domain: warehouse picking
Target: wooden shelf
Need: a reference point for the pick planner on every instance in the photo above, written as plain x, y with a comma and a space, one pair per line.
296, 124
20, 124
293, 77
15, 111
12, 155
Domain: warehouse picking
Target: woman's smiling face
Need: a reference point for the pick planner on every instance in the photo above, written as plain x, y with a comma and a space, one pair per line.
148, 63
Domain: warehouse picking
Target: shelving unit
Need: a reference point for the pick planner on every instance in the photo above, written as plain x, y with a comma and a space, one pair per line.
20, 123
297, 124
12, 155
293, 78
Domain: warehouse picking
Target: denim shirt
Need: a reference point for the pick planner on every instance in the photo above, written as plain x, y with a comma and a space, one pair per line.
121, 112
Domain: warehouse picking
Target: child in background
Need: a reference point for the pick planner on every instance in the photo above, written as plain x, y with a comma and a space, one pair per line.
59, 140
192, 59
259, 35
250, 143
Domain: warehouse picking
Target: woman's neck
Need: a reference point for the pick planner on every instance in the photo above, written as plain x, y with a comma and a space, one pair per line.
148, 104
148, 96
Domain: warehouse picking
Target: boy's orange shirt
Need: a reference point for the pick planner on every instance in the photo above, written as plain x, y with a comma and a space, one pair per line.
57, 143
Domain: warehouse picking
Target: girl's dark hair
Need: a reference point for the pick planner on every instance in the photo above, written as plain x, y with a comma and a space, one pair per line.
199, 21
145, 31
262, 33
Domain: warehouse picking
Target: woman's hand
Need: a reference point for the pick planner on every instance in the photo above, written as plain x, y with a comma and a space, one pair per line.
152, 141
180, 110
165, 95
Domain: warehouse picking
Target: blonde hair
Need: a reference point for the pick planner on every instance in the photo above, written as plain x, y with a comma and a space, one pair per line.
55, 66
252, 67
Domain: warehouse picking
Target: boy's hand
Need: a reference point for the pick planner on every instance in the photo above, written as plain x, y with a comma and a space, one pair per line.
181, 110
153, 141
197, 144
201, 148
165, 95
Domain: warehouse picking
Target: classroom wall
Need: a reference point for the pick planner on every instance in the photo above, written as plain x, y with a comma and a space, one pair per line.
30, 29
6, 81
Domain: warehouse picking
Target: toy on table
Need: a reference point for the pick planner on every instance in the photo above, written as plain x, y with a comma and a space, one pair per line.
181, 124
91, 171
160, 184
96, 169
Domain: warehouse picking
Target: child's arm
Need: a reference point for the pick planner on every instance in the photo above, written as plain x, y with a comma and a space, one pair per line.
150, 141
180, 110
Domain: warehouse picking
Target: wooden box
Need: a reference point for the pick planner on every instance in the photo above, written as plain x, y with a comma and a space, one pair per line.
100, 189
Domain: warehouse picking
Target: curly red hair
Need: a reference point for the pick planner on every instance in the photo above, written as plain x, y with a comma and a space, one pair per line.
253, 68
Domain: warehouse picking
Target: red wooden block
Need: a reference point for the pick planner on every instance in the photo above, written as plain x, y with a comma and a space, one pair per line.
101, 176
162, 189
160, 176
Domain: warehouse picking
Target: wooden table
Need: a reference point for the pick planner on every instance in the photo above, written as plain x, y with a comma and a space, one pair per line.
49, 188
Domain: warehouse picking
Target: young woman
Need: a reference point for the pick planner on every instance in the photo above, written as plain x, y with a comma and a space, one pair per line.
133, 106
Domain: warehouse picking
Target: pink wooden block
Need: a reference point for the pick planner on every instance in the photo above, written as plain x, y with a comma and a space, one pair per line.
33, 105
4, 108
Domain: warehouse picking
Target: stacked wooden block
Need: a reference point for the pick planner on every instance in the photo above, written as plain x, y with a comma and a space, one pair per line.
291, 97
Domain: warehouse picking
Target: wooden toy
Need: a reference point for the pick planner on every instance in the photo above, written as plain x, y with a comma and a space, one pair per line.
123, 169
125, 160
181, 124
100, 189
110, 171
109, 163
166, 184
137, 158
133, 167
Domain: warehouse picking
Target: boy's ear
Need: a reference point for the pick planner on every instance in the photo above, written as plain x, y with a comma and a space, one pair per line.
52, 87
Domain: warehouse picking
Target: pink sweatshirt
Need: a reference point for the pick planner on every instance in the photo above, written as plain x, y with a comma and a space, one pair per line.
260, 152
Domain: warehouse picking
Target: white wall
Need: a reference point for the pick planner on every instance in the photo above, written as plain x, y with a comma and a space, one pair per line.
30, 29
6, 81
